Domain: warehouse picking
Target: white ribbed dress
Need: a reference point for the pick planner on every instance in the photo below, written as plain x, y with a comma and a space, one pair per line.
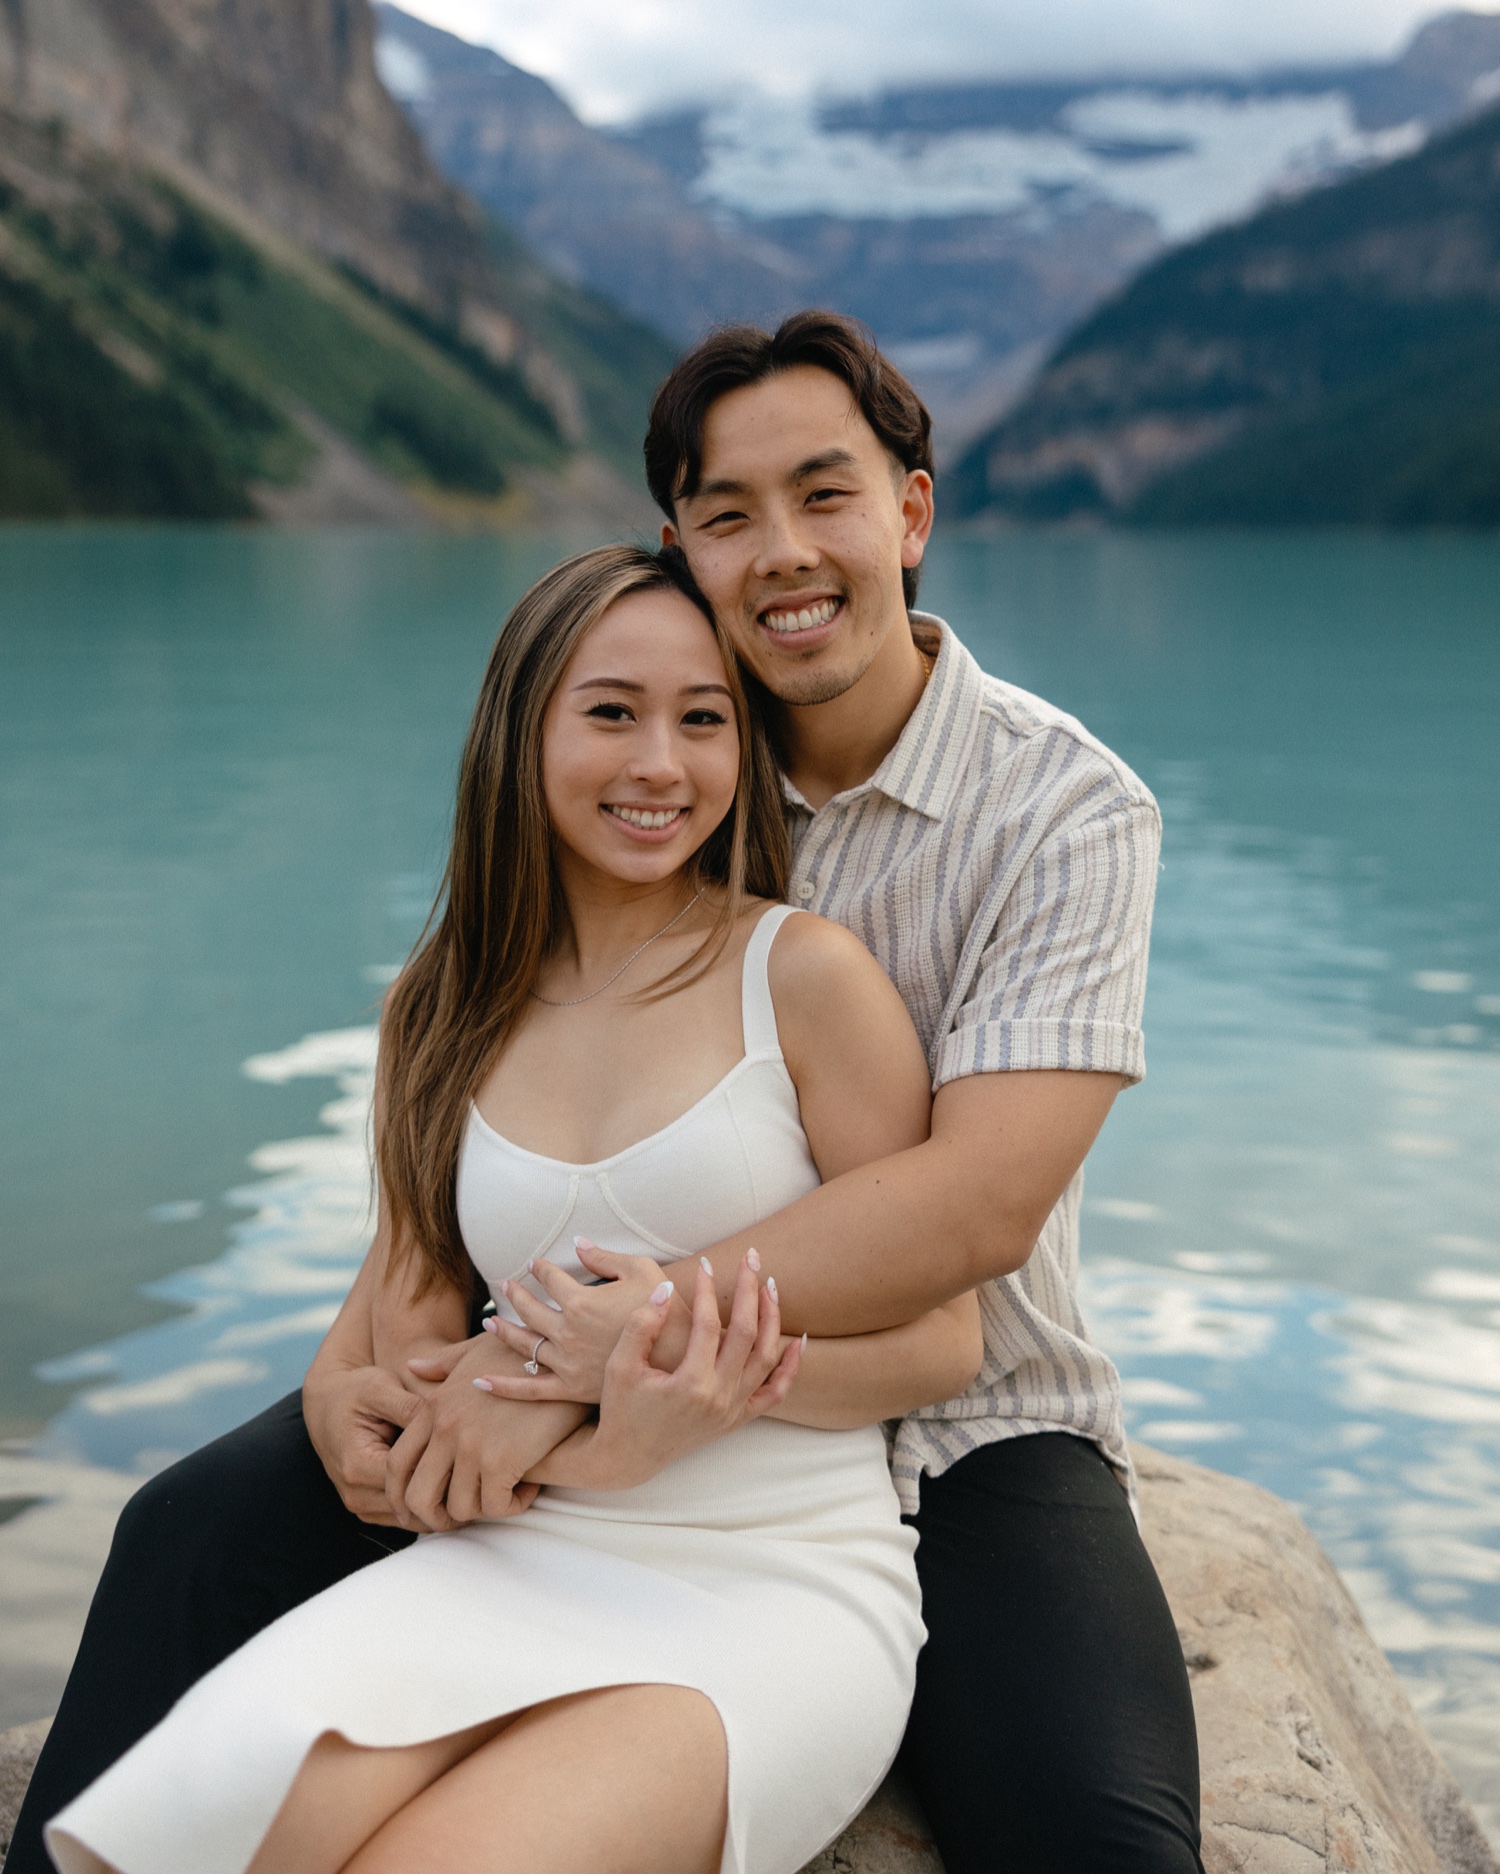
771, 1570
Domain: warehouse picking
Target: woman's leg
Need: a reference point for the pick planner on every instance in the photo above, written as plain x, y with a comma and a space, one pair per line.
629, 1780
205, 1556
344, 1793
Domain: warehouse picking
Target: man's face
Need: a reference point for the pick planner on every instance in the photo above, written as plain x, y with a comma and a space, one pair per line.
799, 532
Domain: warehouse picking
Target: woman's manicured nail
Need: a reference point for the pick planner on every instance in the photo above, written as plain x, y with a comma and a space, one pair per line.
484, 1385
708, 1267
505, 1286
771, 1289
584, 1242
662, 1292
804, 1343
753, 1258
490, 1324
531, 1266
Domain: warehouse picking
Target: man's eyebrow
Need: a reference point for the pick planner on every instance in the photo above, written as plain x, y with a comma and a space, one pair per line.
816, 464
717, 490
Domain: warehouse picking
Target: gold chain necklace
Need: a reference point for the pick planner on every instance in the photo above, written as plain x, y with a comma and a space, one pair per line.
572, 1002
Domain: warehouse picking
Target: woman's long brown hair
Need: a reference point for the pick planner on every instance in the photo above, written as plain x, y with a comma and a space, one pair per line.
500, 909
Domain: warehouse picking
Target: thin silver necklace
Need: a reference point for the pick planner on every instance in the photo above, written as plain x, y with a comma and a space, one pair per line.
573, 1001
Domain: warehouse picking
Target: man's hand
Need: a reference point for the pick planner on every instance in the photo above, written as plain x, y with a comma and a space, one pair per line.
582, 1328
354, 1415
648, 1419
463, 1455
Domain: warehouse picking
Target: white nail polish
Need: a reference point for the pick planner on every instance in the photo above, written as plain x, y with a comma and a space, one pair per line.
662, 1292
753, 1258
771, 1289
490, 1324
707, 1265
483, 1385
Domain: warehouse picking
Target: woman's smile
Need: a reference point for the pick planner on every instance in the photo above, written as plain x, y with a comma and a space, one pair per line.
654, 825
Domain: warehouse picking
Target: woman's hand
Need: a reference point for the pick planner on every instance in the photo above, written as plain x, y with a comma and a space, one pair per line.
463, 1456
648, 1419
581, 1331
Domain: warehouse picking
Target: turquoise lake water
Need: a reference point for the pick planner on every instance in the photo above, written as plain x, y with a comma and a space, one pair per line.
225, 762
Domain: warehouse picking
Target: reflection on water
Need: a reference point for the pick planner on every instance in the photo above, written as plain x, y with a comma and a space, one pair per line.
255, 1316
1292, 1232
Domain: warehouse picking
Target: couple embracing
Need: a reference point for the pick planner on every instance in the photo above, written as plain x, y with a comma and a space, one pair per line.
786, 968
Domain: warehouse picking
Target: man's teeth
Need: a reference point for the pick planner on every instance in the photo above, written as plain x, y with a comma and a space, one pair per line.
805, 620
638, 816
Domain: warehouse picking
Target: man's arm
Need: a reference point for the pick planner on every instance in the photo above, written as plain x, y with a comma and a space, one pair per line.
886, 1242
1048, 1034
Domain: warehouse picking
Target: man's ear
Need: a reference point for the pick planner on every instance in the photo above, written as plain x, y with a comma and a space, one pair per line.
669, 535
917, 514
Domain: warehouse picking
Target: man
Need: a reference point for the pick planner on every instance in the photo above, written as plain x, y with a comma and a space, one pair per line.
1001, 865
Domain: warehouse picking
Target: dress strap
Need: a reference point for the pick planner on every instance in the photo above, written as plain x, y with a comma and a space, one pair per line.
758, 1012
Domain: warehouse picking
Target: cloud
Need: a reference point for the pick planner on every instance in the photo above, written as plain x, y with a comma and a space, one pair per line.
616, 58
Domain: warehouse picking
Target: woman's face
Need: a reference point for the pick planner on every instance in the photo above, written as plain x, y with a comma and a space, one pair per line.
640, 753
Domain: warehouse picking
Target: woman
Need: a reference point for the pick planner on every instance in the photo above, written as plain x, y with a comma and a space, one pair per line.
612, 1029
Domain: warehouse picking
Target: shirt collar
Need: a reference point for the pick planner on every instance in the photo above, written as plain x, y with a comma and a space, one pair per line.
923, 769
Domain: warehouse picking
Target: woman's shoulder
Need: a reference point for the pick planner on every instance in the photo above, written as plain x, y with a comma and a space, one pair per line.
818, 964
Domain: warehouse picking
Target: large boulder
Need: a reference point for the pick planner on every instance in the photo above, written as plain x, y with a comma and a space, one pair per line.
1313, 1760
18, 1752
1312, 1757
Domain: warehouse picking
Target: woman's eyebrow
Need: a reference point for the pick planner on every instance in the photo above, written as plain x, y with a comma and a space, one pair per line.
638, 689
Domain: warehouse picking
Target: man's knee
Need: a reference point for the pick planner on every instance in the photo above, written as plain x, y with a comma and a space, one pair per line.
1062, 1818
223, 1493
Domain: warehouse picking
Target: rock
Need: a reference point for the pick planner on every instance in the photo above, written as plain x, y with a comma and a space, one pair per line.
888, 1837
1312, 1757
18, 1754
1313, 1760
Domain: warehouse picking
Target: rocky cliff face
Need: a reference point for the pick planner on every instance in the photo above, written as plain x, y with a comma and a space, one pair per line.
595, 209
273, 104
269, 117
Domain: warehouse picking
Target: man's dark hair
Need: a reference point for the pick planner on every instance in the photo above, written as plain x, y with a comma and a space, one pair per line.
743, 354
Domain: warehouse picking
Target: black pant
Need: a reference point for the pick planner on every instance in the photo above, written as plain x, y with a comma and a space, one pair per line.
1052, 1729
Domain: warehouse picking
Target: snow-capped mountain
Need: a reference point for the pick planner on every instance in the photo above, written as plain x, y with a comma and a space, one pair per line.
969, 224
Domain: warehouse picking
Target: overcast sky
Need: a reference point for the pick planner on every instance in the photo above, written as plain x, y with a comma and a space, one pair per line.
616, 58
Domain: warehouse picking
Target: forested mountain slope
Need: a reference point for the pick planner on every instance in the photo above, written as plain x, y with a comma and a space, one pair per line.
231, 282
1336, 358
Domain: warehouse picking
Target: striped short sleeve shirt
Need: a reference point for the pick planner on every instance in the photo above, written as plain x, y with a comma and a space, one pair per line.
1001, 866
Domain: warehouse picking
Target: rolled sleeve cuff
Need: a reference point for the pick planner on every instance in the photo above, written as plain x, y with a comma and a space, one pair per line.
999, 1047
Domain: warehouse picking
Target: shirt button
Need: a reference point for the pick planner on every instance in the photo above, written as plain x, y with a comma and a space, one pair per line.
806, 889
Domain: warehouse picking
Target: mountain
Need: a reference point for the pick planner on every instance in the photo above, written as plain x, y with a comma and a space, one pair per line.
232, 282
970, 224
599, 212
1332, 359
